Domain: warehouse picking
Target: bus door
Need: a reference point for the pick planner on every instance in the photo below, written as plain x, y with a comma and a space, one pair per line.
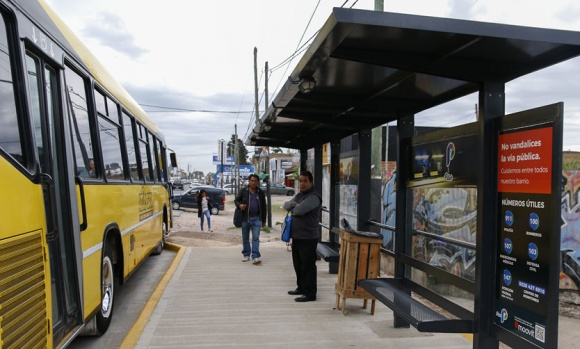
59, 192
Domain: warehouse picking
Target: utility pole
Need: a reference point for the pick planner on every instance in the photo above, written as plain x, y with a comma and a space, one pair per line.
268, 194
256, 86
266, 88
222, 163
237, 160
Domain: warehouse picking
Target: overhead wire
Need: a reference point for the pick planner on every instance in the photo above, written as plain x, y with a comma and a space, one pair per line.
175, 109
293, 55
455, 122
299, 49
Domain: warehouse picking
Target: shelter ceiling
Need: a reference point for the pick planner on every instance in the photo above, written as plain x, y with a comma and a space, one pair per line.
373, 67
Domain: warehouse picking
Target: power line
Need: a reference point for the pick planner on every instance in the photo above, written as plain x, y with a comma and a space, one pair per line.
191, 110
289, 60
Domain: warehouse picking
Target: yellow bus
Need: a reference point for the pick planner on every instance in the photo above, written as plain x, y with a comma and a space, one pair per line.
84, 185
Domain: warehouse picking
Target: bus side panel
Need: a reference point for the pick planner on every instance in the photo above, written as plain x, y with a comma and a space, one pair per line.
24, 268
138, 212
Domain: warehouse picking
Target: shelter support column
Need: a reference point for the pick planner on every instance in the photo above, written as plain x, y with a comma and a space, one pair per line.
334, 192
405, 130
492, 105
364, 178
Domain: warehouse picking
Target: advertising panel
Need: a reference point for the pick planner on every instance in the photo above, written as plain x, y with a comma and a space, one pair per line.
529, 218
444, 158
226, 174
443, 187
228, 160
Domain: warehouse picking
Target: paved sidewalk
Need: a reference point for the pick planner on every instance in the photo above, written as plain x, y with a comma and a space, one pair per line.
215, 300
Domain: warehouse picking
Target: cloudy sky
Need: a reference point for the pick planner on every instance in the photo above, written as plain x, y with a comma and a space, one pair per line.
190, 63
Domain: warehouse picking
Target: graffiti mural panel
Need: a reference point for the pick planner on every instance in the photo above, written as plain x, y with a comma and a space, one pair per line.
570, 233
450, 213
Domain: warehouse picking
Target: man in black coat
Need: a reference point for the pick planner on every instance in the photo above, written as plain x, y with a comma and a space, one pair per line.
305, 234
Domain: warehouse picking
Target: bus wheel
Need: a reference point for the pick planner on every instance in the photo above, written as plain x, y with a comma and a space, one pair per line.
107, 292
159, 248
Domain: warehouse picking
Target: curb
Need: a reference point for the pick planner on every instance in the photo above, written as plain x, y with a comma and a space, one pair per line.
130, 340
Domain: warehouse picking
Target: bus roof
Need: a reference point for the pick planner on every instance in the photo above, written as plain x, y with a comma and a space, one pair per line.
70, 41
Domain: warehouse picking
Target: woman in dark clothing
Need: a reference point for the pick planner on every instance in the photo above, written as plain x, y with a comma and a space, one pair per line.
204, 209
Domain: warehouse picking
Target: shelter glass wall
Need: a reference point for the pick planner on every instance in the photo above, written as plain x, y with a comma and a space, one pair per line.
442, 192
389, 151
467, 111
347, 185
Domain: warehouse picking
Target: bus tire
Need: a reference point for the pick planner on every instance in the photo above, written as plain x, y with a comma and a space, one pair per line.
159, 248
105, 313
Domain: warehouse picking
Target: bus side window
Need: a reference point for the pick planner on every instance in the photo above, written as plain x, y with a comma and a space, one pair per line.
130, 146
155, 166
79, 122
161, 161
144, 151
10, 130
110, 135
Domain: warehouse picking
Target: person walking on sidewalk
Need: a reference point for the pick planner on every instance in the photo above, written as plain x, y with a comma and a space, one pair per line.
305, 234
204, 209
252, 201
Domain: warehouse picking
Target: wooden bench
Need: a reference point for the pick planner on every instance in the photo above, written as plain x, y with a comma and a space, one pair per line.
328, 251
396, 294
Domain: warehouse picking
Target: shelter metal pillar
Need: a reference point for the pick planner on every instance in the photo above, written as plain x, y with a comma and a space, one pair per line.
364, 178
318, 174
492, 105
334, 192
404, 213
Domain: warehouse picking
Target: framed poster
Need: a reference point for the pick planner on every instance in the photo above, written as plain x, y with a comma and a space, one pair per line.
529, 167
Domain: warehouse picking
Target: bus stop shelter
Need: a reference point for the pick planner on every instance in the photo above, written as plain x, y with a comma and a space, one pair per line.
365, 69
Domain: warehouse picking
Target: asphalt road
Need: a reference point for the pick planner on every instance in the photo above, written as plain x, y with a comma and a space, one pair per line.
129, 302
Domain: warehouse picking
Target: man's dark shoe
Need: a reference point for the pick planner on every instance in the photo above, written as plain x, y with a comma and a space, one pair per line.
305, 299
295, 292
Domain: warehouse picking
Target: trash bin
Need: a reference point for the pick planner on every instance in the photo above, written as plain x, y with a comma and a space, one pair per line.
360, 255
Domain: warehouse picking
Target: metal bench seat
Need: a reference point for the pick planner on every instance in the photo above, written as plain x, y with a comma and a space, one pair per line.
325, 251
396, 294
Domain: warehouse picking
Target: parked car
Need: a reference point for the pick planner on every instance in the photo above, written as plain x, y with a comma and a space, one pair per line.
279, 188
177, 184
230, 188
188, 199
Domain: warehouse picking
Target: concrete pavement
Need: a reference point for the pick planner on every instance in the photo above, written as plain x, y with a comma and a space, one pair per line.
215, 301
207, 298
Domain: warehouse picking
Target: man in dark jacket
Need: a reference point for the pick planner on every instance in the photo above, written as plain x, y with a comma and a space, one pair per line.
305, 233
252, 201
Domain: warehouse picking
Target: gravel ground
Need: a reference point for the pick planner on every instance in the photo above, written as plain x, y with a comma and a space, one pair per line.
186, 229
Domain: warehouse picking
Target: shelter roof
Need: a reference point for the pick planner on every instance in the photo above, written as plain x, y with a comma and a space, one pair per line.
372, 67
